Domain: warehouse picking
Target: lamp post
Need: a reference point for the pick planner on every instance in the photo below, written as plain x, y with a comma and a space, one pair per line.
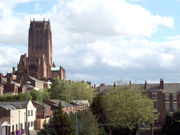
27, 128
76, 116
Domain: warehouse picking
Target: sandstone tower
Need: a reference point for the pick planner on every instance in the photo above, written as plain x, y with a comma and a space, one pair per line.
39, 62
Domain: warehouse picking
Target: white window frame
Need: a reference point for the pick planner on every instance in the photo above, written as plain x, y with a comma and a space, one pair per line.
169, 106
176, 106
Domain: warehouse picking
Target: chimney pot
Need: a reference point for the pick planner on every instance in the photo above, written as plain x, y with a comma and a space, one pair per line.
161, 84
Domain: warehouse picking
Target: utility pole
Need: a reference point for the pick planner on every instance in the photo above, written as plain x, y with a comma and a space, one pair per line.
27, 128
76, 116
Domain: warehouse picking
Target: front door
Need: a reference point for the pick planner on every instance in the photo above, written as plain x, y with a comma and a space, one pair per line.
3, 130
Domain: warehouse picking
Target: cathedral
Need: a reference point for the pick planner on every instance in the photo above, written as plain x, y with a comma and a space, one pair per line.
39, 63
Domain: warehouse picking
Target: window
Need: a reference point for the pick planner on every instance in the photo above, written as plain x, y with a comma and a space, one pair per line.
166, 96
16, 127
31, 112
21, 126
13, 128
31, 123
154, 95
174, 106
28, 124
28, 112
155, 105
167, 106
174, 96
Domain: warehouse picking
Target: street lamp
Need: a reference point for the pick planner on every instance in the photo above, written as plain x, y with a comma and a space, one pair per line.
27, 128
76, 116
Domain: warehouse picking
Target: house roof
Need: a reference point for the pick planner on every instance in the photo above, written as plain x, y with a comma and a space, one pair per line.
63, 103
13, 105
41, 104
35, 79
81, 102
154, 87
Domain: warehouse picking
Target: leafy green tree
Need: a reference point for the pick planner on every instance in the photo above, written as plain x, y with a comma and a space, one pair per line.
67, 92
45, 95
36, 95
87, 122
22, 96
59, 90
19, 97
48, 129
61, 124
123, 109
83, 90
172, 124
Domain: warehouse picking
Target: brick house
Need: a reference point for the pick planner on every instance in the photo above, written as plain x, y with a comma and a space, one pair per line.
165, 97
16, 112
43, 115
66, 107
81, 104
1, 89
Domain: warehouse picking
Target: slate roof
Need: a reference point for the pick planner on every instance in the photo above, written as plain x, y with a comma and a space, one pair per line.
35, 79
81, 102
4, 80
42, 104
13, 105
63, 103
168, 87
155, 87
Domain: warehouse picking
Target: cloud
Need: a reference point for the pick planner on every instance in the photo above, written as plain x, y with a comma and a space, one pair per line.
102, 40
8, 58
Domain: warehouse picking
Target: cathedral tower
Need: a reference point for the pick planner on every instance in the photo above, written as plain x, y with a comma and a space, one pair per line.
39, 62
40, 40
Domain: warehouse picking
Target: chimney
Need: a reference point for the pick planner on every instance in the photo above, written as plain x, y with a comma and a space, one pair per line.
9, 78
161, 84
13, 70
1, 76
130, 84
114, 85
145, 85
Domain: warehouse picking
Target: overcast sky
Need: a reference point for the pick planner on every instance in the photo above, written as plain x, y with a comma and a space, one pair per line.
99, 40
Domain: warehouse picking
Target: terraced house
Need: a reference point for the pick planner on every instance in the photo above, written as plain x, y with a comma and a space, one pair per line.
13, 117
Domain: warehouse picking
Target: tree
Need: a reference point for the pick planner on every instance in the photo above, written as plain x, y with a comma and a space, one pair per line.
67, 91
83, 90
172, 124
36, 95
87, 122
48, 129
61, 124
59, 90
123, 109
45, 95
19, 97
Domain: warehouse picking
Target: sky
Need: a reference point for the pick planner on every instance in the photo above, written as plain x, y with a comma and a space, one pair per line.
101, 41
